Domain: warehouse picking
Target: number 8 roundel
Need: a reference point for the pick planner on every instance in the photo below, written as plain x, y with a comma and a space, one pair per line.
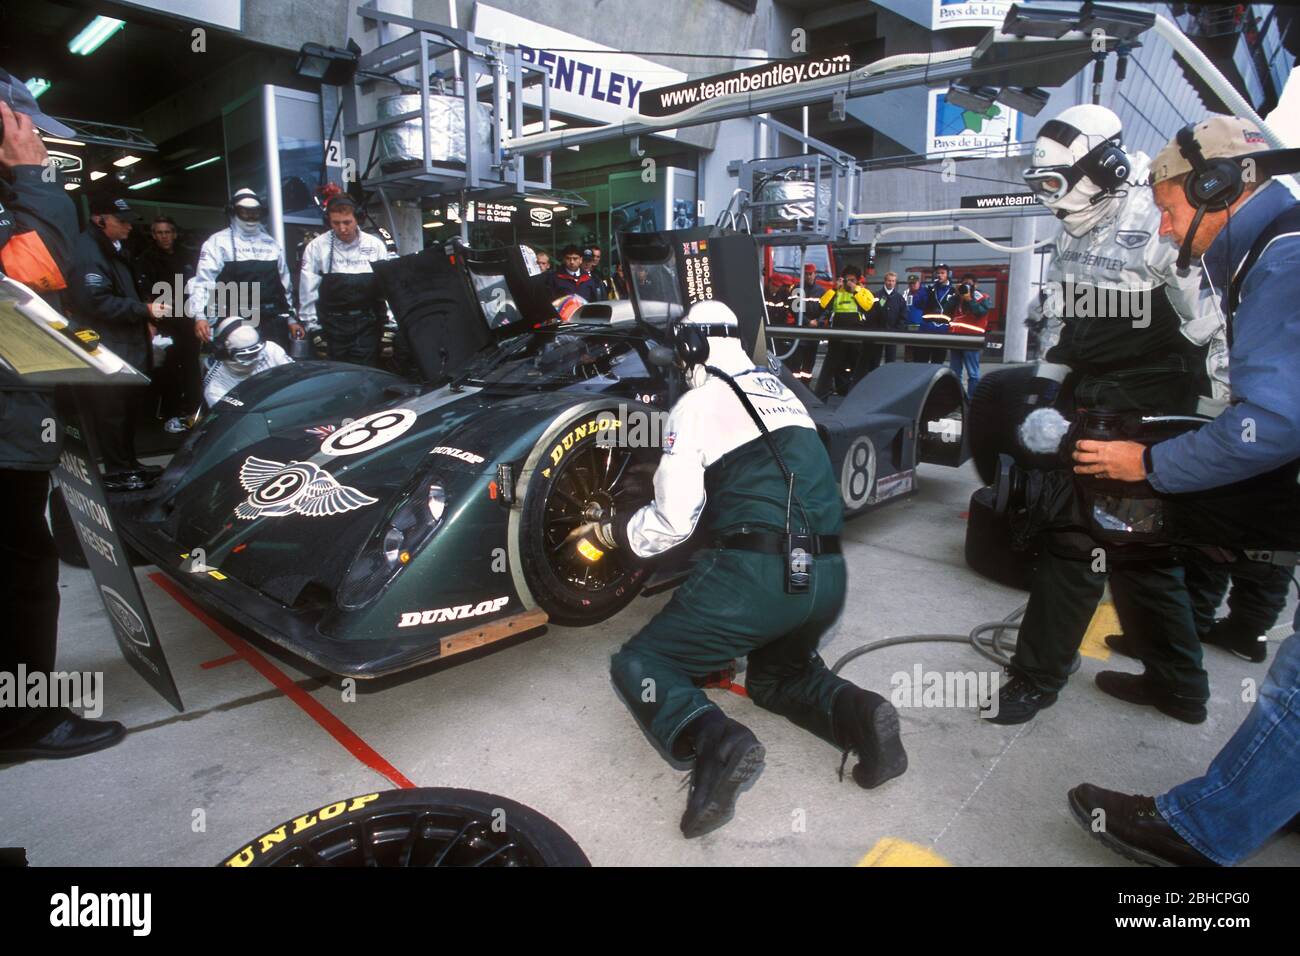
375, 429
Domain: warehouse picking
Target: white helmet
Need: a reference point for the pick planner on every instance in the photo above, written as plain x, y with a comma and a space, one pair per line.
239, 344
1079, 166
705, 334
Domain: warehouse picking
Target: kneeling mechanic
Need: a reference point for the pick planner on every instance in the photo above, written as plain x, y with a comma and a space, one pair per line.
745, 472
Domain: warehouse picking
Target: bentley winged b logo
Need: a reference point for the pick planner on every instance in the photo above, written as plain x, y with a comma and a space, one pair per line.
276, 489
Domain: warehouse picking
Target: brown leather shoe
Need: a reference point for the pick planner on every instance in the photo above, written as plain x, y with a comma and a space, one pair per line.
1132, 827
1139, 689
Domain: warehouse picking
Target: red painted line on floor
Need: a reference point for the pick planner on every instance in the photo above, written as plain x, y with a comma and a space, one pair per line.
738, 690
208, 665
312, 707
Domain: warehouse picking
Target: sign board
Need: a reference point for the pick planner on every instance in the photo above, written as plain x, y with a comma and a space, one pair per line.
955, 130
678, 98
998, 201
969, 13
107, 558
588, 80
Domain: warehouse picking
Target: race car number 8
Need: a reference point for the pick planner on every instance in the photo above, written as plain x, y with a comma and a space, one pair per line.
369, 432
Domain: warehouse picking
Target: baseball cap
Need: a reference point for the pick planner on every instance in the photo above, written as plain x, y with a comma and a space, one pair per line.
19, 98
913, 277
1220, 137
104, 204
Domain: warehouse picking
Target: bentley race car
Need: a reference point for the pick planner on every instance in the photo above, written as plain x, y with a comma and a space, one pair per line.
370, 523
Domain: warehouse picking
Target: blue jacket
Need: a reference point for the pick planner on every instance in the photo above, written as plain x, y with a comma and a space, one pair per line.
936, 297
1260, 430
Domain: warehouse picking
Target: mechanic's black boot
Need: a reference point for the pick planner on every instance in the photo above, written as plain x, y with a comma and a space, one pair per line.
1230, 636
866, 724
727, 756
1019, 699
1140, 689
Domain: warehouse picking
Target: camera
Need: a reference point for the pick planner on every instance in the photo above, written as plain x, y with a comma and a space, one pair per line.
965, 289
1258, 514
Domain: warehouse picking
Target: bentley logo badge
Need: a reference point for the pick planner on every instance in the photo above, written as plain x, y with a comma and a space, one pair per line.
299, 487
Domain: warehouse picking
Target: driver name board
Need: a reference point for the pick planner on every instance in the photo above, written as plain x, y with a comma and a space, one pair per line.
108, 560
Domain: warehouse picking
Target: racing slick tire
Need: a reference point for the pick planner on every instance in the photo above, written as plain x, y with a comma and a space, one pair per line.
988, 545
426, 826
586, 483
1001, 402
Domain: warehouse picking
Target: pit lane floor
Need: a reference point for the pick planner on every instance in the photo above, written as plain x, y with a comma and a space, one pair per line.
539, 722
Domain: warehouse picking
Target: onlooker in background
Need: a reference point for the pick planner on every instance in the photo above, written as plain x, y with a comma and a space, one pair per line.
937, 303
162, 272
618, 283
573, 279
543, 260
104, 297
590, 264
970, 316
807, 298
38, 227
848, 305
236, 261
893, 305
776, 302
594, 267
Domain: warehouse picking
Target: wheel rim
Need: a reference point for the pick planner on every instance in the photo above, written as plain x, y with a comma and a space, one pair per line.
591, 486
418, 837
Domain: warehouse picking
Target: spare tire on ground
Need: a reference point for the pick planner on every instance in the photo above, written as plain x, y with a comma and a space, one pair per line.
1003, 400
988, 545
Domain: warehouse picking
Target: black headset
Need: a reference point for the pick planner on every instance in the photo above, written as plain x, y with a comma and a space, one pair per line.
1106, 164
1213, 184
691, 341
338, 204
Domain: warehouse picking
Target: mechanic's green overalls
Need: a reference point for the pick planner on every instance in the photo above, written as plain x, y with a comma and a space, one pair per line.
734, 603
1123, 367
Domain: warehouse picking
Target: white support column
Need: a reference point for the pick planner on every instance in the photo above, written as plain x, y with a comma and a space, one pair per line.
1020, 292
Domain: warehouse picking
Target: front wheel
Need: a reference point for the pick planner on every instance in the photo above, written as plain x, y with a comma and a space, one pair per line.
585, 476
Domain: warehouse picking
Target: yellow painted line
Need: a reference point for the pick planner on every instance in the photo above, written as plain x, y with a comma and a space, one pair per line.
1104, 621
891, 851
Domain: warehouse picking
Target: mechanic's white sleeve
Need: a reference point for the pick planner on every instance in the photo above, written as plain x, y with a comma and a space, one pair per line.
286, 280
679, 488
1198, 311
212, 258
309, 283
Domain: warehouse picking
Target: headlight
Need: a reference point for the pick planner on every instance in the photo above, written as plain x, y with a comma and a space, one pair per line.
406, 531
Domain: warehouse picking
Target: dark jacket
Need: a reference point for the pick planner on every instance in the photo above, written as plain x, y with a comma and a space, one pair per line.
155, 266
29, 203
582, 284
104, 297
892, 307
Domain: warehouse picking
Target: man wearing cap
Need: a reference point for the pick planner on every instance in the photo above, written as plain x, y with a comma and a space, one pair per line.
242, 271
1123, 332
38, 228
337, 290
104, 297
1213, 189
939, 300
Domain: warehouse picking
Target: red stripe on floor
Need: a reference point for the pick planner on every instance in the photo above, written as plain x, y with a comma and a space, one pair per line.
312, 707
230, 659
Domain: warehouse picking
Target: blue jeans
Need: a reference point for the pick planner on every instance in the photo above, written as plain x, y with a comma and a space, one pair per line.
1252, 787
970, 360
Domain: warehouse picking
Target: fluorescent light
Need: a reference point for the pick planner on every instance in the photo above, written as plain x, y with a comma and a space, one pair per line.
542, 202
65, 142
433, 225
95, 35
147, 182
560, 209
36, 86
202, 162
126, 161
97, 175
71, 186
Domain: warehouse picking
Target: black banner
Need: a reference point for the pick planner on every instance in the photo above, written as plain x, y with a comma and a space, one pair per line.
998, 201
670, 100
109, 563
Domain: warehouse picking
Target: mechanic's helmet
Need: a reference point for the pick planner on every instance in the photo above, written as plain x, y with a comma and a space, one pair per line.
707, 326
245, 207
238, 343
1079, 165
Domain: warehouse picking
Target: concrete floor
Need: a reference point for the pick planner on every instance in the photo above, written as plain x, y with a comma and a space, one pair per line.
540, 723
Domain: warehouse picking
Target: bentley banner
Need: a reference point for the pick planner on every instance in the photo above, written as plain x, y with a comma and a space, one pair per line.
108, 561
